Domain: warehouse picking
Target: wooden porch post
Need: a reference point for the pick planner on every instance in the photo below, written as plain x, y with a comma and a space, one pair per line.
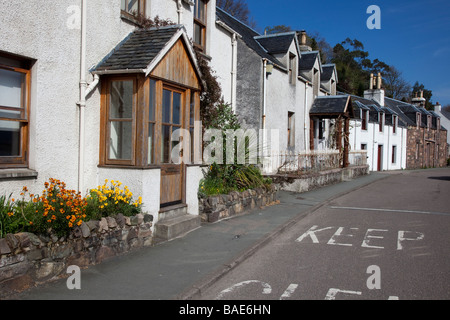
346, 162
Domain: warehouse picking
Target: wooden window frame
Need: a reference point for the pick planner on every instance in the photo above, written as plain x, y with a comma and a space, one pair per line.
291, 130
141, 120
105, 122
20, 161
130, 14
202, 24
173, 89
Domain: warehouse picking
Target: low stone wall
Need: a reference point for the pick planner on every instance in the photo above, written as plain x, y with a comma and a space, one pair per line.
215, 208
27, 260
311, 181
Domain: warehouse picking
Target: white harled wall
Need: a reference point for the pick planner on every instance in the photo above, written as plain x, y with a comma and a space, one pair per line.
51, 36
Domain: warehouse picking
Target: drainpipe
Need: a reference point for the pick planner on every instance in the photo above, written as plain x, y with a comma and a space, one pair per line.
82, 102
85, 90
305, 130
233, 72
180, 11
264, 93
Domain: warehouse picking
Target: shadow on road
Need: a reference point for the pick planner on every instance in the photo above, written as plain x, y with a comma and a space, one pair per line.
443, 178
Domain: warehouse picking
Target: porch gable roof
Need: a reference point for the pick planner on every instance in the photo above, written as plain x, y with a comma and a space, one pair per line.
143, 49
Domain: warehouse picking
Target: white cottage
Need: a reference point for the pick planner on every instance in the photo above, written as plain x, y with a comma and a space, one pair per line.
87, 96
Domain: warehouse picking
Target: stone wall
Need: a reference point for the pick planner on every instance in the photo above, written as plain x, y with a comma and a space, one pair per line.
215, 208
27, 260
307, 182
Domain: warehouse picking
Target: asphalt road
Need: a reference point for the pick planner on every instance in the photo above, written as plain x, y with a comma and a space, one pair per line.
385, 241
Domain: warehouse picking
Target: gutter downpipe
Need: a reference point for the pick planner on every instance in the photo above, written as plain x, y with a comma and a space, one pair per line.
82, 102
233, 72
180, 11
85, 90
304, 117
263, 124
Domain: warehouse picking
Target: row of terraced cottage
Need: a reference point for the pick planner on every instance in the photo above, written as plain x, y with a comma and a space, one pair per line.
86, 95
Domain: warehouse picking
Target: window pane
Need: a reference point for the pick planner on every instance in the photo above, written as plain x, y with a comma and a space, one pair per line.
9, 139
11, 114
201, 10
166, 106
11, 83
198, 34
123, 5
165, 145
176, 108
120, 140
151, 134
152, 102
121, 100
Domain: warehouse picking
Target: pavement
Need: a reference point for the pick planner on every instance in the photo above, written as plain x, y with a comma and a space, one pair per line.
180, 269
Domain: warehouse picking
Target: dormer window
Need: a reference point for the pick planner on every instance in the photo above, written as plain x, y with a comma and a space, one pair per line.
364, 119
333, 87
200, 20
381, 121
428, 122
316, 82
394, 124
292, 68
418, 118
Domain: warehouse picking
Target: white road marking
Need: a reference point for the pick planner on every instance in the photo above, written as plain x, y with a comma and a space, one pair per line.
331, 295
267, 289
289, 291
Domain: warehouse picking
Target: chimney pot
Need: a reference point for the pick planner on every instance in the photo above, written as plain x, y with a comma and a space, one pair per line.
371, 82
303, 38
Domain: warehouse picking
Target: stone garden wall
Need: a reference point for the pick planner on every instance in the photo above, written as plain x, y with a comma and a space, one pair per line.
215, 208
27, 260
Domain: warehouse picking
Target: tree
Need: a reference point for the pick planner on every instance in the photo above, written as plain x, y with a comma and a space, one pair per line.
277, 29
352, 65
238, 9
395, 85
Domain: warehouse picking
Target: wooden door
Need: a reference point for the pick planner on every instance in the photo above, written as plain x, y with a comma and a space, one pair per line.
172, 175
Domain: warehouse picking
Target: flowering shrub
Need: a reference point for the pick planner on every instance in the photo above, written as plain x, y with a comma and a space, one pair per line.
110, 199
58, 210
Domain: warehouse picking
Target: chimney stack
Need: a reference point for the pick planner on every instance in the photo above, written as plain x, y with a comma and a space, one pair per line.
437, 107
418, 99
303, 42
375, 92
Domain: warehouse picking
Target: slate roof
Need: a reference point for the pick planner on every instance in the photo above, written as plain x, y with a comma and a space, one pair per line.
138, 49
248, 35
327, 72
331, 105
307, 60
276, 43
445, 113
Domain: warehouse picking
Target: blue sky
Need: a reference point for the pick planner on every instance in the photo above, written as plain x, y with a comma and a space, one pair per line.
414, 35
